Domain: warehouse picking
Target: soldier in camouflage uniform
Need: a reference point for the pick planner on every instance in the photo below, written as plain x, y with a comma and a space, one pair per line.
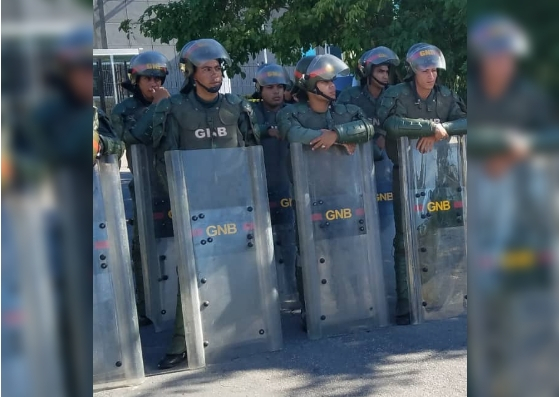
318, 122
418, 108
271, 82
131, 120
105, 141
199, 117
373, 69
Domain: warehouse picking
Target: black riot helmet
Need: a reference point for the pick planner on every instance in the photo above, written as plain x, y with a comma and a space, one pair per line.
270, 74
422, 56
151, 64
375, 57
497, 34
197, 52
322, 68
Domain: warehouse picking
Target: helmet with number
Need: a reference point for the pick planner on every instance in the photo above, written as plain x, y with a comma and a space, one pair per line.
270, 74
323, 68
422, 56
375, 57
150, 63
497, 34
75, 48
198, 52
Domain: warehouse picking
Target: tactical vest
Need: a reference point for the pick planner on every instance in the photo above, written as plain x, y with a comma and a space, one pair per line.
276, 156
360, 96
435, 108
206, 128
336, 114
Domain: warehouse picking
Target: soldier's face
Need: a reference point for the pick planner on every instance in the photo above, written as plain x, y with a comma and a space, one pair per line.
272, 94
381, 74
498, 69
148, 85
426, 79
209, 74
79, 78
327, 88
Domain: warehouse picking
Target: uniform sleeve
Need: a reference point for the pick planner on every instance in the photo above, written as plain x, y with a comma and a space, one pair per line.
250, 133
392, 117
291, 129
165, 138
132, 131
359, 130
111, 144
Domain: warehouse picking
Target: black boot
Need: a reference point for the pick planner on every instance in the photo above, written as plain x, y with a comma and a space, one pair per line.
143, 321
403, 319
171, 360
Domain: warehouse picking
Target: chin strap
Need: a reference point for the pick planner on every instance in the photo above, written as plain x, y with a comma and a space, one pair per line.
212, 90
318, 92
375, 79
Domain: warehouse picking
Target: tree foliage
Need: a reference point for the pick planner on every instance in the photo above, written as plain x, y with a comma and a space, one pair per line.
287, 26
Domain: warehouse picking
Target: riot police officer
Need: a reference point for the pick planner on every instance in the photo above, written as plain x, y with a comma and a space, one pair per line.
271, 82
418, 108
105, 141
318, 122
199, 117
373, 70
131, 120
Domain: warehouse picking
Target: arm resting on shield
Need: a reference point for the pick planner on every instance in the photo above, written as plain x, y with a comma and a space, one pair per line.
291, 129
399, 127
456, 127
357, 131
493, 141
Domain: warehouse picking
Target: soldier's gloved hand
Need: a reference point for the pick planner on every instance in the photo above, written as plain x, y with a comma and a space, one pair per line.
323, 142
97, 146
159, 94
425, 144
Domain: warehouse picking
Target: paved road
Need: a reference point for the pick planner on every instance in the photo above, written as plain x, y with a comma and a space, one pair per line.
424, 360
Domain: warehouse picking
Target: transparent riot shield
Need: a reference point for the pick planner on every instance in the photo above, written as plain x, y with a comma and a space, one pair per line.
227, 276
385, 201
117, 353
157, 247
339, 242
282, 214
434, 204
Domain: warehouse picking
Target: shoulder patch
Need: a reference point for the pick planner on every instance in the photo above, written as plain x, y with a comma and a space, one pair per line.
298, 108
353, 109
340, 108
119, 108
175, 99
392, 92
444, 90
164, 105
355, 92
233, 99
246, 106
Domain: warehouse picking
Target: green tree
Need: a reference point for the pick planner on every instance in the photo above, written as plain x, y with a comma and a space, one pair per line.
287, 26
